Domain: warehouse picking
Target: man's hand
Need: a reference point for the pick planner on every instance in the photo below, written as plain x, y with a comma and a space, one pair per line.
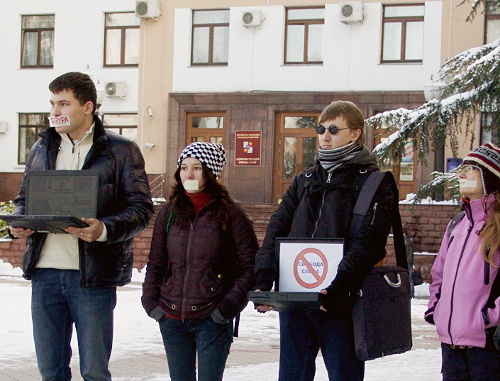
89, 233
20, 232
262, 307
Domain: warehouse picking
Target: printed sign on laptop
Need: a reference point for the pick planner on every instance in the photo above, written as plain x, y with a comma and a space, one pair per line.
308, 265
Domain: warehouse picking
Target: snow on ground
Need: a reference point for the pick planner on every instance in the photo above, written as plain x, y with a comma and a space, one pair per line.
423, 362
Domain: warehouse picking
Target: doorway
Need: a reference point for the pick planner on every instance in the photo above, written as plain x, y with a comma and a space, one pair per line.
295, 147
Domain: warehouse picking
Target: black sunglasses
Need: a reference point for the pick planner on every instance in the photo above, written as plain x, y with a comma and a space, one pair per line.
333, 129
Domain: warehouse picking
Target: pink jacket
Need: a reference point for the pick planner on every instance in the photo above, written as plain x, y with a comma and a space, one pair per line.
458, 293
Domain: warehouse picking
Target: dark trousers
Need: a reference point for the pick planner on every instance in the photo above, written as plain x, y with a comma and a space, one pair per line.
184, 339
303, 334
470, 364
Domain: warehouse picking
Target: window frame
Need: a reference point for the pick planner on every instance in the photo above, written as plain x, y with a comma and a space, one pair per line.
490, 16
38, 128
39, 31
210, 38
123, 29
119, 127
404, 20
306, 23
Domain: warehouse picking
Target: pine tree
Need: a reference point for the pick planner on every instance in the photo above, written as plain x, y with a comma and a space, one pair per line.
469, 85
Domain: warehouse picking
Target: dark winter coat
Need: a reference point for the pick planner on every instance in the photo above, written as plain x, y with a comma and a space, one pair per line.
195, 269
320, 205
124, 204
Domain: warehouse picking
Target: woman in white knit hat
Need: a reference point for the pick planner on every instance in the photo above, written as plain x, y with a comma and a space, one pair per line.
465, 291
200, 266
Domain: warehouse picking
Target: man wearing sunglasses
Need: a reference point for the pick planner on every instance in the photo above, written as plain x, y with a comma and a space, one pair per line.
319, 204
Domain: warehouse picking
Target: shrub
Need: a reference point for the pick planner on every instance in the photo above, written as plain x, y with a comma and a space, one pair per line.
6, 207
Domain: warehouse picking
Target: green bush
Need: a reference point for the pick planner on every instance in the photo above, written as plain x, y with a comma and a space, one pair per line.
6, 207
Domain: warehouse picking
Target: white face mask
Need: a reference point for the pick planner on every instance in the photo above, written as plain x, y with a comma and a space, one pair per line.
59, 121
191, 185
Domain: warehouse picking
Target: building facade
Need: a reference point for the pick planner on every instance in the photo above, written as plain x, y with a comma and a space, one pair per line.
256, 74
41, 40
251, 74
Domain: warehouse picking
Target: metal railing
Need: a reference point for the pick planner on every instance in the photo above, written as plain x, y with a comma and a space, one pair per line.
4, 233
156, 186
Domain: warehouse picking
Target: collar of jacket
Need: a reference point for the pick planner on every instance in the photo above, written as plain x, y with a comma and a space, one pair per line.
52, 140
347, 177
52, 137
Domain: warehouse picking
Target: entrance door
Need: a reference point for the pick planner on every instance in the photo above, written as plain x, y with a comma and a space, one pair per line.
404, 170
294, 148
206, 127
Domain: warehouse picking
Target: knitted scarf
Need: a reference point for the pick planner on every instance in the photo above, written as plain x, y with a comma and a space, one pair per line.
333, 158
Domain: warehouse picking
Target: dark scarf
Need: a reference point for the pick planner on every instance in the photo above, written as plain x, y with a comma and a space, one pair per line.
331, 159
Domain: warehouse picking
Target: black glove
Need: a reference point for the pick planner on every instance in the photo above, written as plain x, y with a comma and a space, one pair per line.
264, 279
328, 300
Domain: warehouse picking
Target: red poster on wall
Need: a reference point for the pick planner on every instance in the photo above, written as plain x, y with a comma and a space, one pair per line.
247, 147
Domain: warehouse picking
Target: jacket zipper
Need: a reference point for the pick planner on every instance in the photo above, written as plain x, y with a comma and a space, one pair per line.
455, 279
186, 276
374, 211
321, 208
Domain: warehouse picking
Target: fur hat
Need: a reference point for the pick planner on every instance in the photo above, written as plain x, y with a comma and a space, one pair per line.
212, 155
486, 158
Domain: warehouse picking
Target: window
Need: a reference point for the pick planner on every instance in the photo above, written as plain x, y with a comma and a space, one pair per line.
123, 124
210, 44
205, 127
30, 125
37, 41
121, 39
303, 35
492, 29
403, 33
488, 132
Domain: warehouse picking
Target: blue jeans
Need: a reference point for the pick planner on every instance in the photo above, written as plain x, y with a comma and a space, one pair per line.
304, 333
470, 364
57, 302
183, 339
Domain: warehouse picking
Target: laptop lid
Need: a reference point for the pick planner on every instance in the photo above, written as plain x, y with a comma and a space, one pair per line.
62, 193
307, 264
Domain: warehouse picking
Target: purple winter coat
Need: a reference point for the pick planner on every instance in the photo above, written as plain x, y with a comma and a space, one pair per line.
462, 283
193, 270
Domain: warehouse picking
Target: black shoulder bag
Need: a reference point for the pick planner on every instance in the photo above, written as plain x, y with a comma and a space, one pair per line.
382, 308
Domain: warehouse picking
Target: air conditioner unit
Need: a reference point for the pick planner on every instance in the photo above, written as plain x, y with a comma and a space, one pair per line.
116, 89
252, 18
351, 11
147, 8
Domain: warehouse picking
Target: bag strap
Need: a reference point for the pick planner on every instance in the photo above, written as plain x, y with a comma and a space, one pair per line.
361, 208
455, 220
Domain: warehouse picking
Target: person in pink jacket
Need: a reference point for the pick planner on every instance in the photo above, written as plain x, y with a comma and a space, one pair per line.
464, 299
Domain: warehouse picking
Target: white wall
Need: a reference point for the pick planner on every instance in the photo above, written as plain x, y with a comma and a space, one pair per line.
78, 42
351, 56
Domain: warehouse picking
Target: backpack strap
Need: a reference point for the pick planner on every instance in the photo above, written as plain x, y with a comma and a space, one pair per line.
361, 208
455, 220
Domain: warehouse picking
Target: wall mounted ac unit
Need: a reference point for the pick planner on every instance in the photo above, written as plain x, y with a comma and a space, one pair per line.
351, 11
147, 8
116, 89
251, 18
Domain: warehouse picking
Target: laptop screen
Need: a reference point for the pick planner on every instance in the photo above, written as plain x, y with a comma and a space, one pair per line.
60, 193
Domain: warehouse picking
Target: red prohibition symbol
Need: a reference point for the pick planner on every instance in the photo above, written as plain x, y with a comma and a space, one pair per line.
301, 257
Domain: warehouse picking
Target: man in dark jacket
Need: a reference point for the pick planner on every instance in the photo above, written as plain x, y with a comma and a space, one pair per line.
319, 204
74, 276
